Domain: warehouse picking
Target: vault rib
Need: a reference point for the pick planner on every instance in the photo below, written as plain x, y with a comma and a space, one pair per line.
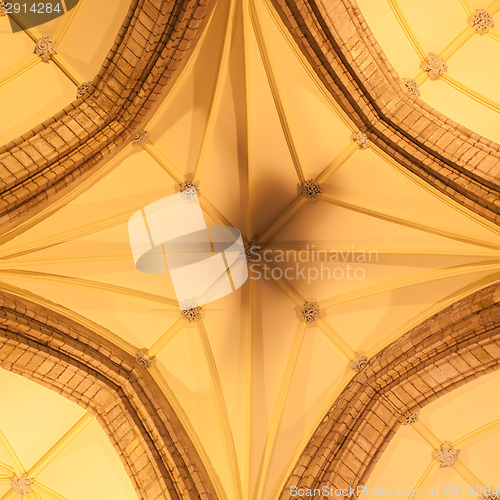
60, 445
405, 221
275, 91
411, 280
220, 81
279, 407
220, 404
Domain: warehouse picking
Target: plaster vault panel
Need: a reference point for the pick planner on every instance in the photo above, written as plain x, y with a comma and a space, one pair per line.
58, 443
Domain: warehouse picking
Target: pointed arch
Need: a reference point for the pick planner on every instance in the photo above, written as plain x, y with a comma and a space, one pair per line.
78, 363
154, 42
337, 43
451, 348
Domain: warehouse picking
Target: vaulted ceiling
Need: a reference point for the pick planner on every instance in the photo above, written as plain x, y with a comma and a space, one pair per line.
249, 115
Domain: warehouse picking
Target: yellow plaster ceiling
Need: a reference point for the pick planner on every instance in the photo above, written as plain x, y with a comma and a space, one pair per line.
468, 418
58, 444
408, 31
248, 120
32, 91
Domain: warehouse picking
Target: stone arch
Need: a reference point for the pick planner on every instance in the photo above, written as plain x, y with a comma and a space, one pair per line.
338, 44
153, 44
457, 345
71, 359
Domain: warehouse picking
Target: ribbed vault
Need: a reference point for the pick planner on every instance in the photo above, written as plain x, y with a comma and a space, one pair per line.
79, 364
457, 345
335, 38
249, 99
153, 43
